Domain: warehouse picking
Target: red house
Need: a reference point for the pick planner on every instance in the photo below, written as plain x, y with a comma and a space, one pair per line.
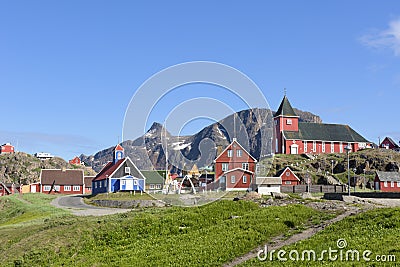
288, 177
76, 161
387, 181
6, 148
295, 137
234, 168
9, 189
388, 143
62, 182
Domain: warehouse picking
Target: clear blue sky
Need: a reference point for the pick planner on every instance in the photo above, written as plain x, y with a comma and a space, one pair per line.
68, 69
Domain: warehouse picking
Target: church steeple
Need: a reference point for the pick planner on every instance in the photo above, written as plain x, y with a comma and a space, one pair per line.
118, 153
285, 109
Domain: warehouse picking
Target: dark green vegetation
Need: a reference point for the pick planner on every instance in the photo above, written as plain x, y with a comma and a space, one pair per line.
203, 236
376, 230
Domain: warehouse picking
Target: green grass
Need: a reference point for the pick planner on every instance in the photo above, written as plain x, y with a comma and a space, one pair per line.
209, 235
377, 230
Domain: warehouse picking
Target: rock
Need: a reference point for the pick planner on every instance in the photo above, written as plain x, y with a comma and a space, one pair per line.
279, 195
306, 195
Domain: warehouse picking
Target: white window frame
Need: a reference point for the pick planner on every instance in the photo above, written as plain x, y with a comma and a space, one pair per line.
398, 184
289, 122
244, 179
305, 146
385, 184
314, 146
341, 147
230, 153
46, 188
288, 182
158, 186
332, 147
391, 183
245, 166
67, 188
152, 186
76, 188
100, 184
127, 170
224, 167
323, 147
239, 153
57, 188
135, 182
233, 179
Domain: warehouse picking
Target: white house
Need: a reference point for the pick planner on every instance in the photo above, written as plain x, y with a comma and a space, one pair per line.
268, 185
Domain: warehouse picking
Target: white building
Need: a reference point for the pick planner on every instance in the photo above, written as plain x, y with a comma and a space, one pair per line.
268, 185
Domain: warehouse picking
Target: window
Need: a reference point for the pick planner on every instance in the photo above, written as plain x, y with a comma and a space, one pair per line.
67, 188
314, 146
135, 182
288, 182
127, 170
224, 167
95, 185
288, 174
391, 184
105, 183
245, 166
332, 147
100, 184
305, 146
47, 188
76, 188
229, 153
233, 179
398, 184
244, 179
123, 182
323, 147
158, 186
152, 186
385, 184
341, 147
239, 153
57, 188
289, 121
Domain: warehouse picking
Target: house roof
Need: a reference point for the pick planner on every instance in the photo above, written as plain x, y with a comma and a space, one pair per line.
88, 180
388, 176
108, 169
5, 187
324, 132
392, 141
230, 145
268, 181
238, 169
281, 172
285, 109
153, 177
61, 177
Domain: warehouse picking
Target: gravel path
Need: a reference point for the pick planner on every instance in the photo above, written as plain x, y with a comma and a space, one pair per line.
75, 204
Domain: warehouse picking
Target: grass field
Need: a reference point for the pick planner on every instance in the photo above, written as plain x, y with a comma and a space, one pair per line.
209, 235
377, 231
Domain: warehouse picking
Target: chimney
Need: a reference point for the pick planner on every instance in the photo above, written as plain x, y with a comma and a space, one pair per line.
63, 169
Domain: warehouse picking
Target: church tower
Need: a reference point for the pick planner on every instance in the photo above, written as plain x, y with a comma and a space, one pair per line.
118, 153
285, 120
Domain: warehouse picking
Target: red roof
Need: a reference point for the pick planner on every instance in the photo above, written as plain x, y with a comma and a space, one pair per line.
108, 169
119, 148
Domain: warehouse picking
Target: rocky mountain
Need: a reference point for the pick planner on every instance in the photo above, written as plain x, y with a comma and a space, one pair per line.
24, 168
252, 128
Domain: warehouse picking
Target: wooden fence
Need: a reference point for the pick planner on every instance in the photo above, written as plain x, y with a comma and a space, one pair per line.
313, 188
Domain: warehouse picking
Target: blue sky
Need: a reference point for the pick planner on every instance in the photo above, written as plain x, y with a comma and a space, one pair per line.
68, 69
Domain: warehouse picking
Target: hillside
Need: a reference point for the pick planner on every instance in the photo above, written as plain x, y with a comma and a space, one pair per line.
25, 168
251, 127
321, 166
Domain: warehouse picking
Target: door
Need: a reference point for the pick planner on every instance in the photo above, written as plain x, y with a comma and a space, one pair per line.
294, 149
33, 188
377, 186
222, 182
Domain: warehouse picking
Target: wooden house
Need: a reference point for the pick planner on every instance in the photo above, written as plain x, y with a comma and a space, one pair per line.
234, 168
61, 181
387, 181
389, 143
288, 177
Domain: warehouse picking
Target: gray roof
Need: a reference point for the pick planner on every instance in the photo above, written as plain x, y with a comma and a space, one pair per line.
268, 181
285, 109
325, 132
388, 176
153, 177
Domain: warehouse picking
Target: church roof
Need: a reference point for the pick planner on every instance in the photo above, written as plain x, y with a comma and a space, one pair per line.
285, 109
325, 132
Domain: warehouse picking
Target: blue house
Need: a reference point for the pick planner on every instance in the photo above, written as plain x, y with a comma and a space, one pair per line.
119, 175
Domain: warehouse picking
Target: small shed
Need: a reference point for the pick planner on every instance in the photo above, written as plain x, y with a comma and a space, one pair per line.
268, 185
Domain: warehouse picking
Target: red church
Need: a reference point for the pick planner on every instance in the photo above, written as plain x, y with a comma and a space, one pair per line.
296, 137
234, 168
